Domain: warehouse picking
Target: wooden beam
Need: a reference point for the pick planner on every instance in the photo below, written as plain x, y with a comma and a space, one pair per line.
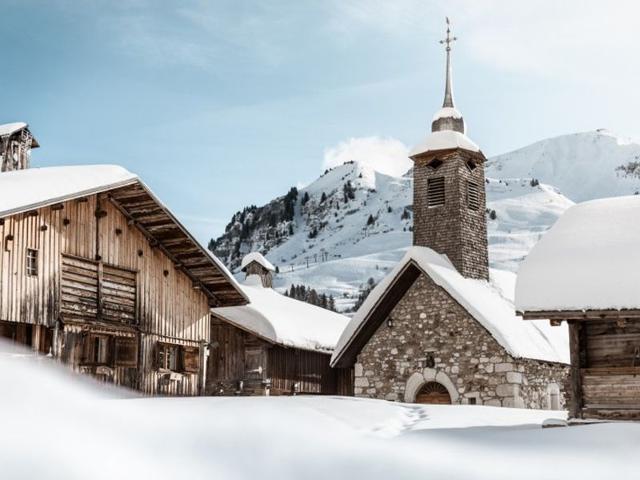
575, 400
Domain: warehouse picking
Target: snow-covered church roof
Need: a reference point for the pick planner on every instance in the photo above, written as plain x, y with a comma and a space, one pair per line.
444, 140
488, 303
589, 260
258, 258
284, 321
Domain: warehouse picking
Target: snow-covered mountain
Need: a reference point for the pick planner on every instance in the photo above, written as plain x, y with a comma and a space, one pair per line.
354, 223
583, 166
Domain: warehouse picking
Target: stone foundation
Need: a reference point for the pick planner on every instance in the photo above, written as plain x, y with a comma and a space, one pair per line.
433, 338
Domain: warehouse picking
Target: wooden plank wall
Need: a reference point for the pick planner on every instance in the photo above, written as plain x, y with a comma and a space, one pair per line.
300, 371
284, 367
610, 374
167, 305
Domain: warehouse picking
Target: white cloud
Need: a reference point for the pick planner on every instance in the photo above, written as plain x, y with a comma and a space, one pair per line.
385, 155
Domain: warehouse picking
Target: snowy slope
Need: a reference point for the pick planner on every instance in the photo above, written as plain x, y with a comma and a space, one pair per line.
335, 245
86, 431
584, 166
347, 251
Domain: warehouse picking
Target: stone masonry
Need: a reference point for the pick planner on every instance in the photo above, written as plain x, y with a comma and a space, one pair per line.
453, 229
433, 338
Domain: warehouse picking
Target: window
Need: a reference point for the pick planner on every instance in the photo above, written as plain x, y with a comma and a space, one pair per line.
435, 192
473, 195
97, 349
473, 401
101, 351
32, 262
168, 356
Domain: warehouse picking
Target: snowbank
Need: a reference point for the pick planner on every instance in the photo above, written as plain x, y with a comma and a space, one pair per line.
444, 140
486, 302
285, 321
23, 190
87, 431
588, 260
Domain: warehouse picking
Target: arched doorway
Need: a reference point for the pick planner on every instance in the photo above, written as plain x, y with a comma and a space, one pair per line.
433, 393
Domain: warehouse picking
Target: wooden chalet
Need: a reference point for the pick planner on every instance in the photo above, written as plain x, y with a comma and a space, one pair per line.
586, 271
97, 272
16, 143
275, 345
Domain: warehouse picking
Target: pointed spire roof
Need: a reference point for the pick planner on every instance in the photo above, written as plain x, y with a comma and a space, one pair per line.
448, 117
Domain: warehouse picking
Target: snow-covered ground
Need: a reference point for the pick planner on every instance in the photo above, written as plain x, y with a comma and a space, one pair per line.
59, 425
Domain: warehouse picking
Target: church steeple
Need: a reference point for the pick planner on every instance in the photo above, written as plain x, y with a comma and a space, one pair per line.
448, 118
449, 198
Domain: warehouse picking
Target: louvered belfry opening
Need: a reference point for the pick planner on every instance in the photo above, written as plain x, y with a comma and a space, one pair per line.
435, 192
473, 195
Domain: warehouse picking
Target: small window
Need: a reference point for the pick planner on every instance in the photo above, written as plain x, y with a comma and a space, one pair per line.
101, 350
168, 356
32, 262
473, 401
97, 350
435, 164
435, 192
473, 196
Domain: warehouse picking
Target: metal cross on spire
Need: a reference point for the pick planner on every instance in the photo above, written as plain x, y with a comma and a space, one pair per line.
449, 40
448, 95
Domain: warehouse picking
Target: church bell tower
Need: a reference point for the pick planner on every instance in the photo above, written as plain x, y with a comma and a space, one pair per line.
449, 198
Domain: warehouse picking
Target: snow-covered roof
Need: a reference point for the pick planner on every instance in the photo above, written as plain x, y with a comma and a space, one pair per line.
444, 140
32, 188
283, 320
447, 112
258, 258
23, 190
487, 302
589, 260
9, 128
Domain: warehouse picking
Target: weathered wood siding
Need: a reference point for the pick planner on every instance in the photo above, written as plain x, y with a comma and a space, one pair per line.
609, 356
94, 238
241, 363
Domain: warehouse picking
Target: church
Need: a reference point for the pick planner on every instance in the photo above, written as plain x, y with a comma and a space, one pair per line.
442, 328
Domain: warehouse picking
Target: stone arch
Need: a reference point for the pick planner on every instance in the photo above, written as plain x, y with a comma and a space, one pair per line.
418, 379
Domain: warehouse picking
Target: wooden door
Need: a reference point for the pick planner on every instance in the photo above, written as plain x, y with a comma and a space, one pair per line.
433, 393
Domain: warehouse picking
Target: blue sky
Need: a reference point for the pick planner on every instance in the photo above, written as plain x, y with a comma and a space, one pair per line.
222, 104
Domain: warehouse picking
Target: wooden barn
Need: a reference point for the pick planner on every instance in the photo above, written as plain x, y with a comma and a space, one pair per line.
275, 345
97, 272
586, 272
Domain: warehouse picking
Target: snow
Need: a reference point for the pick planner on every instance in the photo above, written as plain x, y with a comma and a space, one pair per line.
588, 260
489, 303
257, 257
9, 128
583, 166
447, 112
113, 434
444, 140
23, 190
283, 320
354, 251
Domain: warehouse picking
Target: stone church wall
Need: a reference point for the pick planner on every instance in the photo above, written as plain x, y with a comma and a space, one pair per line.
433, 338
